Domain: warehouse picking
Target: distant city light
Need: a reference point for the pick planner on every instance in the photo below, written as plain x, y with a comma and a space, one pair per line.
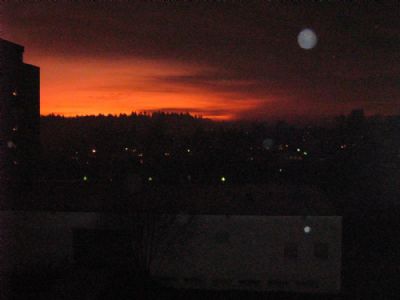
85, 178
280, 170
166, 154
188, 150
305, 153
94, 150
126, 148
14, 93
307, 229
150, 178
223, 179
14, 129
298, 149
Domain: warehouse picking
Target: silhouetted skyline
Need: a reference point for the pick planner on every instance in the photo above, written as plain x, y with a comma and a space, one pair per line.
221, 60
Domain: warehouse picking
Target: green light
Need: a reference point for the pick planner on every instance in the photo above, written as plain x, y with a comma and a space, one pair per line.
85, 178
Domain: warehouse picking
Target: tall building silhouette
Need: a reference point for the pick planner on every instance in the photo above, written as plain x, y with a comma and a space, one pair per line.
19, 114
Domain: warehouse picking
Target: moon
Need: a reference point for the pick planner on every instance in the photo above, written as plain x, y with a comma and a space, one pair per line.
307, 39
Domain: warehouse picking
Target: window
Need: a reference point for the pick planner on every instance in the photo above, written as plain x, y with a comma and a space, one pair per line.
222, 237
102, 247
280, 284
250, 282
222, 282
308, 284
194, 280
321, 250
291, 251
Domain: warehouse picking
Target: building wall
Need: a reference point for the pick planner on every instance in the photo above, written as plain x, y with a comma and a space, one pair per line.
19, 113
245, 252
257, 252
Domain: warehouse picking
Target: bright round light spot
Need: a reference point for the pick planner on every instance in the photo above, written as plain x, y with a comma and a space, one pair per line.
85, 178
305, 153
298, 149
307, 229
307, 39
150, 178
223, 179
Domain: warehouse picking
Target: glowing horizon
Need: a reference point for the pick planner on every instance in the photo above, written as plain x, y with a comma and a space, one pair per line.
217, 65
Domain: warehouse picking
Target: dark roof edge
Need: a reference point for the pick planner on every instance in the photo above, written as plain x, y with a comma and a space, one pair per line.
20, 47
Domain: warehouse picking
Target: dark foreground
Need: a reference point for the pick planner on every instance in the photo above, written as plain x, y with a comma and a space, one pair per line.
371, 268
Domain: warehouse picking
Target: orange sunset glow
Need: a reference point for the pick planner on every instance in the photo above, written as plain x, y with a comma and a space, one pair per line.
84, 87
206, 60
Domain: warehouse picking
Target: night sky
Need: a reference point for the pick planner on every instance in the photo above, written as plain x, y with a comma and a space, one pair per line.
221, 60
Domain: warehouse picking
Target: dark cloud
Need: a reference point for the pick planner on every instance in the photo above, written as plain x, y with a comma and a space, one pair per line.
251, 48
